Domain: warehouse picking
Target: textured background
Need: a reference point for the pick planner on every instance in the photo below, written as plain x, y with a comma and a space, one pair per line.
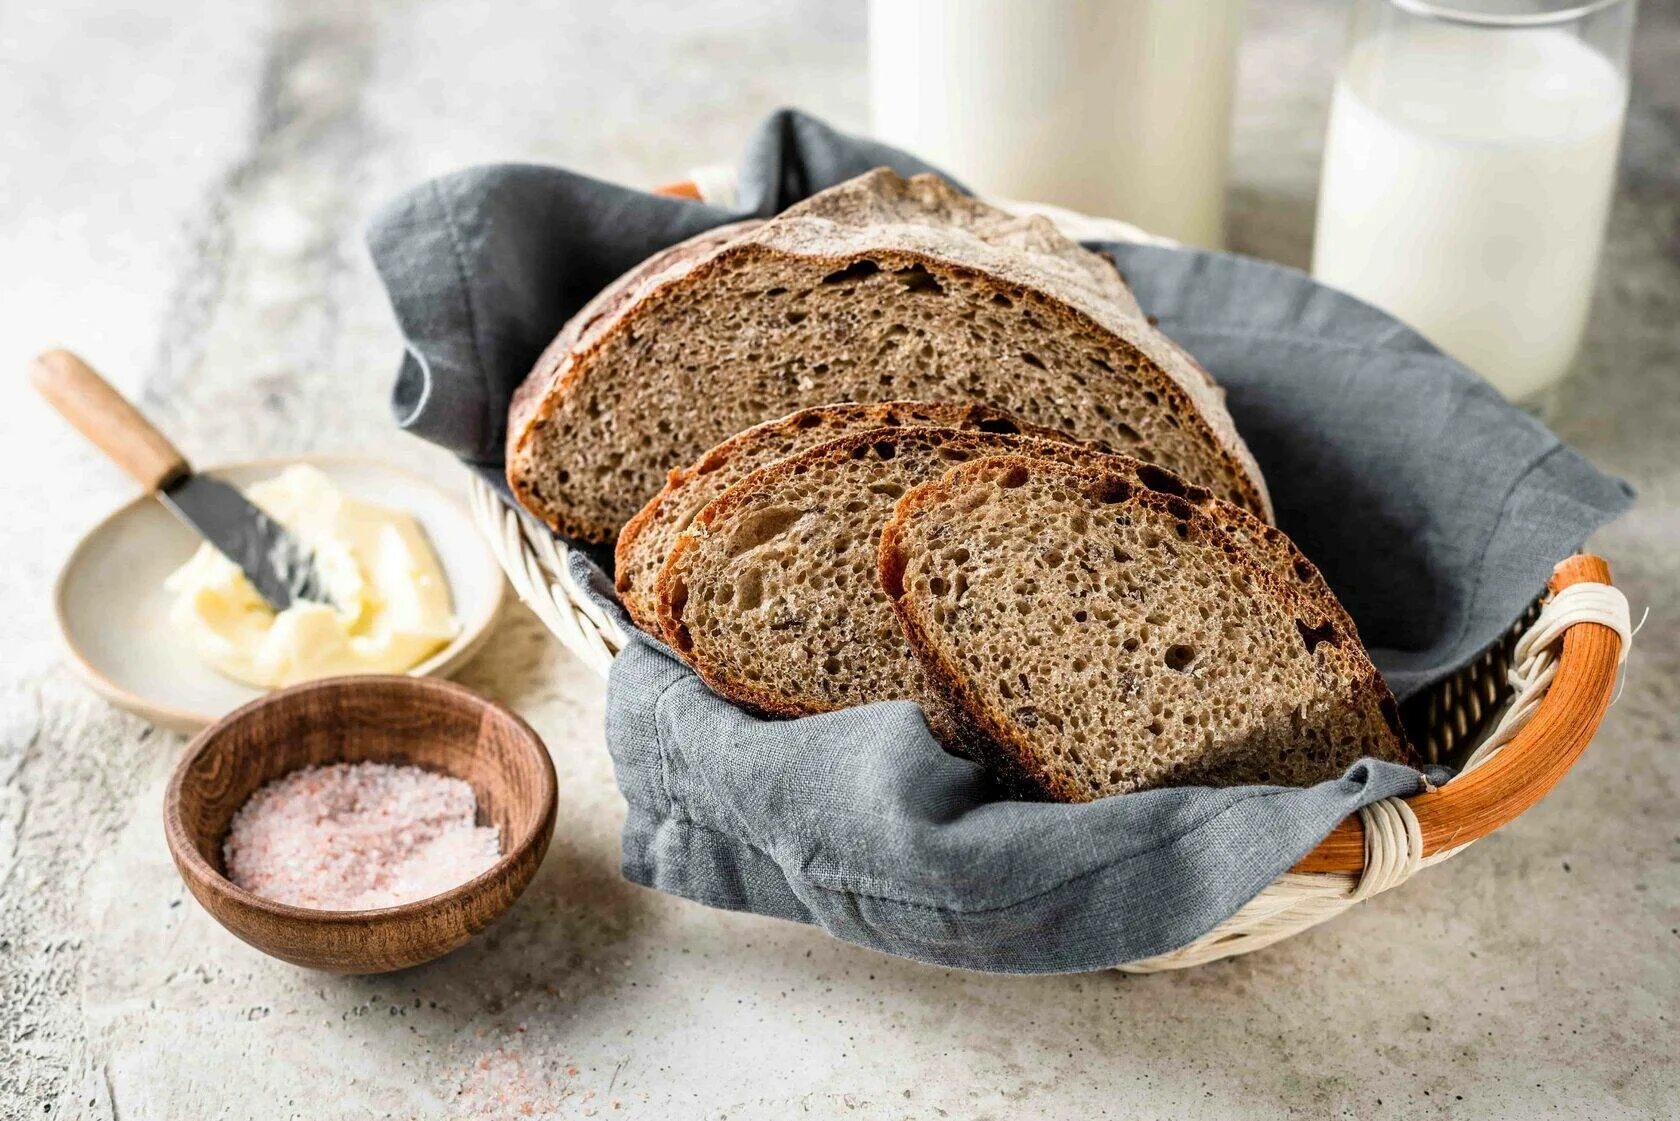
182, 202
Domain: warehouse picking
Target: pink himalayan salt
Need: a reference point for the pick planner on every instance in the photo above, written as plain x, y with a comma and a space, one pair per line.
351, 836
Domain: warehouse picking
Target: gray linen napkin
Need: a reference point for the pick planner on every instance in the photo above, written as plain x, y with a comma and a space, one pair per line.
1434, 508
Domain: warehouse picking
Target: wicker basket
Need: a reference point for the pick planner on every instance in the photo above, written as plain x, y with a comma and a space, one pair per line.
1514, 722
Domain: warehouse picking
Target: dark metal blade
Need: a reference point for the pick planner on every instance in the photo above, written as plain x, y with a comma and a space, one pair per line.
280, 566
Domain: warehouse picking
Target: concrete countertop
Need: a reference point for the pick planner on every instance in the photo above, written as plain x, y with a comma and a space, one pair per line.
183, 204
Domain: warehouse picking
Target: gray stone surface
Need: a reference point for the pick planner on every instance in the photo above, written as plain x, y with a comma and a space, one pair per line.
182, 202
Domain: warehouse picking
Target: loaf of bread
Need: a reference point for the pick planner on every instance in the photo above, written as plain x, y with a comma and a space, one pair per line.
1093, 632
646, 541
879, 289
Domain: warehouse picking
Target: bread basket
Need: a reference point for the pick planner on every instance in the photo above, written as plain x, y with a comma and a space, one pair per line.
1514, 722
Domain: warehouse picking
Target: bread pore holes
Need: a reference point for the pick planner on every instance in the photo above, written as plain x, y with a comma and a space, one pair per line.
1179, 657
1312, 637
1013, 477
938, 585
918, 281
749, 589
1111, 489
762, 526
857, 270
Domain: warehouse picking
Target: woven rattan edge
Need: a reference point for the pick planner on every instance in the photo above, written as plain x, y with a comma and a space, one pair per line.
1481, 801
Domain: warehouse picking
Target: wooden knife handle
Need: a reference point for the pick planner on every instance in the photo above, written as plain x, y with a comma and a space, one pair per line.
105, 417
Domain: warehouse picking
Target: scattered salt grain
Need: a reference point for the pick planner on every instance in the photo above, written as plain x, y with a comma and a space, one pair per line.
351, 836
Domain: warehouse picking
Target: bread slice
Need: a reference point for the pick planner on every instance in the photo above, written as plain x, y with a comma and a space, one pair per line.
771, 594
1269, 545
646, 541
1091, 636
879, 289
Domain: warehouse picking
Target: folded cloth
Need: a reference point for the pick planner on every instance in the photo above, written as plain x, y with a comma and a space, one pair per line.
1435, 510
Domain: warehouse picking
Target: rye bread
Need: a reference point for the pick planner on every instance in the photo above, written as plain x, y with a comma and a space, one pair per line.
585, 327
646, 540
771, 594
878, 289
1091, 636
1268, 544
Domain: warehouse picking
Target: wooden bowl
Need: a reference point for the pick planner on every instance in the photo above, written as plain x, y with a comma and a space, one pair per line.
384, 719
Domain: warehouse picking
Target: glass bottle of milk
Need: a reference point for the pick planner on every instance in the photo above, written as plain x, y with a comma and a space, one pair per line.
1117, 108
1468, 171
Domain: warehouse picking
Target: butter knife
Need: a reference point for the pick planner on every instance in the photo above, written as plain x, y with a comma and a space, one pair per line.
279, 566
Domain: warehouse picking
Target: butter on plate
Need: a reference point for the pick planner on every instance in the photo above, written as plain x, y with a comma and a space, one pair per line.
390, 606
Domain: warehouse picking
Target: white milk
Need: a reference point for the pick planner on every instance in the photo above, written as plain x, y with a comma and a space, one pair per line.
1118, 108
1467, 175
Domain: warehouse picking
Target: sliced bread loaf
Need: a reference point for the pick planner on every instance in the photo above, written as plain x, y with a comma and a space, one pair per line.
878, 289
1092, 636
771, 594
646, 541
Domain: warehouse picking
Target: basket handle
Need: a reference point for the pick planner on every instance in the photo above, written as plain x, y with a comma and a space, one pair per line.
682, 189
1524, 770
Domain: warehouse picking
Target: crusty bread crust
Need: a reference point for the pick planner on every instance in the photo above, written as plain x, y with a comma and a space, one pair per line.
647, 538
980, 731
865, 220
883, 199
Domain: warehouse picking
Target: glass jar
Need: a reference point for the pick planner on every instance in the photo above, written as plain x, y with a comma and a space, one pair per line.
1468, 172
1116, 108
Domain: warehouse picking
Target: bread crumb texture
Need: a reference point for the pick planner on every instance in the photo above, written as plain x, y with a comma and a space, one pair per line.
1099, 636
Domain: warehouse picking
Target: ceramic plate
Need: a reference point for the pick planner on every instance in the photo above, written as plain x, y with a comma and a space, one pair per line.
113, 612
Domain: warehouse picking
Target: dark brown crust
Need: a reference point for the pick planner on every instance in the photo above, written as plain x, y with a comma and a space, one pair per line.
557, 372
844, 417
997, 742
